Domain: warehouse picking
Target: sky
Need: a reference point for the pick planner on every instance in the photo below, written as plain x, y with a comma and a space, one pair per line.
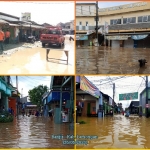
41, 12
127, 84
26, 83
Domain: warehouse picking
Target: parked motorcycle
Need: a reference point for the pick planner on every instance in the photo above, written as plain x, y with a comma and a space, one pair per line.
31, 39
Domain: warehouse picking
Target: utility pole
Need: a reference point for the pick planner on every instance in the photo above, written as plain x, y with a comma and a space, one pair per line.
113, 96
96, 19
147, 96
17, 95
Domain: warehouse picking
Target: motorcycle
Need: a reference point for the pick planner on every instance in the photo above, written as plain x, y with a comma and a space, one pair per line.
31, 39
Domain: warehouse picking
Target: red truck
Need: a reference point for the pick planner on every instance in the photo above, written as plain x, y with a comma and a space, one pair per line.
53, 36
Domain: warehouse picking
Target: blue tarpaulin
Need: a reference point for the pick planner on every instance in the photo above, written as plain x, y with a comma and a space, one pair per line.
55, 96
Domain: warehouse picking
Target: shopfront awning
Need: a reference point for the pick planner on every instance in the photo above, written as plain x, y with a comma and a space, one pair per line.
81, 37
118, 37
33, 26
139, 37
3, 22
13, 25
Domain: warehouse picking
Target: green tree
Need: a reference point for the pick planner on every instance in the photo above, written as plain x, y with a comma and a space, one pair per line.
36, 93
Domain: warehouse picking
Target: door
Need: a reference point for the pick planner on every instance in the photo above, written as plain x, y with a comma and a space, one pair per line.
88, 108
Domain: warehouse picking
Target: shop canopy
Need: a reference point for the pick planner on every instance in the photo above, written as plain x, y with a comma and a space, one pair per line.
3, 22
139, 37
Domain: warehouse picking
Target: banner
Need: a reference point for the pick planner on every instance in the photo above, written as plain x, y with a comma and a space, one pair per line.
81, 37
119, 37
26, 16
138, 37
128, 96
88, 87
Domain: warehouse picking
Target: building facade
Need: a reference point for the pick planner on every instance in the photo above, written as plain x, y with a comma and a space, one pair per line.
129, 25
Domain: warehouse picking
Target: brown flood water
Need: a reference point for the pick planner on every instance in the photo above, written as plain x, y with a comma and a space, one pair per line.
32, 132
33, 61
116, 132
100, 60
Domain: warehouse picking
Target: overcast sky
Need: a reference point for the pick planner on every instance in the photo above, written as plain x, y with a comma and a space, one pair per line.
127, 84
41, 12
26, 83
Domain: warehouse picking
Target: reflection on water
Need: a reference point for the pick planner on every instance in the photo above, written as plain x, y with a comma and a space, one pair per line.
116, 132
32, 132
98, 60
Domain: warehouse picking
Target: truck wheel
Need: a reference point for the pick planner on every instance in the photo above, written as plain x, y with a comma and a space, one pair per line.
43, 44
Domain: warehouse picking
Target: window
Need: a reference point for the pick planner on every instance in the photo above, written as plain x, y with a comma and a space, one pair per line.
119, 21
115, 21
86, 23
148, 18
129, 20
124, 20
145, 18
111, 22
133, 20
53, 32
80, 23
140, 19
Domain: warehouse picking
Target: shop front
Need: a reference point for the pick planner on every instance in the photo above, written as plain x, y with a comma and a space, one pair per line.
87, 98
5, 92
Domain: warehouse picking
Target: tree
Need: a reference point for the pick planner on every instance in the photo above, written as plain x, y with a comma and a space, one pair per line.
36, 93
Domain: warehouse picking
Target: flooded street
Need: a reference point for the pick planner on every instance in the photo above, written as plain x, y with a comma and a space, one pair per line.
32, 132
116, 132
31, 59
94, 60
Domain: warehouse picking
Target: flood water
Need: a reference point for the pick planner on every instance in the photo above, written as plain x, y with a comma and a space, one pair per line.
116, 132
101, 60
26, 60
32, 132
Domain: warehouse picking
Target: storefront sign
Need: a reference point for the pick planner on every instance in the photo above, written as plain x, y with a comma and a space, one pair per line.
88, 87
26, 16
81, 37
124, 37
138, 37
128, 96
123, 7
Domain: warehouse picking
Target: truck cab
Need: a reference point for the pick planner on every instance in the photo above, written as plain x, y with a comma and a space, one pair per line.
53, 36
